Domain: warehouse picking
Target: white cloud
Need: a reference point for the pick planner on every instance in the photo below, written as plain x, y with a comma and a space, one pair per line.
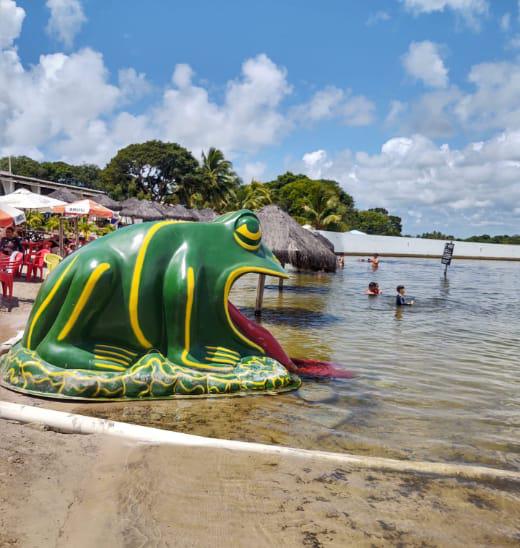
514, 42
334, 103
495, 104
133, 85
60, 96
505, 22
470, 10
377, 17
423, 62
66, 19
252, 171
397, 108
11, 19
248, 118
478, 182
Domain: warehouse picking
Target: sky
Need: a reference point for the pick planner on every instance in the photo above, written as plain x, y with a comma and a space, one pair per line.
412, 105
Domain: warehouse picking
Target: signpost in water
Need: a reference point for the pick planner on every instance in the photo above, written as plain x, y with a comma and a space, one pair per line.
447, 255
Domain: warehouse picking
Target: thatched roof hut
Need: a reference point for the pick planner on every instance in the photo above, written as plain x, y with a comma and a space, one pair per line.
292, 244
106, 201
324, 240
205, 215
140, 209
65, 195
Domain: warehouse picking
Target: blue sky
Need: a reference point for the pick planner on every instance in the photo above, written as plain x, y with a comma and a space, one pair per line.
413, 105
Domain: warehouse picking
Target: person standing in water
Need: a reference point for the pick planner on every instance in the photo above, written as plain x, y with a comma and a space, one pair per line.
374, 261
373, 289
400, 299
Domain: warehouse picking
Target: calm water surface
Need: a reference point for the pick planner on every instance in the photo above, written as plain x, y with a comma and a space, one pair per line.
436, 381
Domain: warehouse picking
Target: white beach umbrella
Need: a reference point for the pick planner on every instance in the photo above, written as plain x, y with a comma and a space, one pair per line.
25, 199
9, 216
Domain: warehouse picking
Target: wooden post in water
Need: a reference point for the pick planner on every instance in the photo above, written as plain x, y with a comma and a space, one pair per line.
259, 294
280, 280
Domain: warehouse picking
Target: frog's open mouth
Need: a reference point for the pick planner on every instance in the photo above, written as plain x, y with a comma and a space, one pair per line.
250, 332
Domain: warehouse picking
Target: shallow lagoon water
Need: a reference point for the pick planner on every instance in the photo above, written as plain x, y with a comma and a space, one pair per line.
437, 381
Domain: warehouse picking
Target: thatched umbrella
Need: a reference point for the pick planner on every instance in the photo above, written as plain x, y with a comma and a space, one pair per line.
106, 201
292, 244
324, 240
177, 212
65, 195
140, 209
205, 215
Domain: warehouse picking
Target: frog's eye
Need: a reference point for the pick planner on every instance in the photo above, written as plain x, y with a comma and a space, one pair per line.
248, 233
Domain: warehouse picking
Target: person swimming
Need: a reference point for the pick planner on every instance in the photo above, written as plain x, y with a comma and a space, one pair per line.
373, 289
400, 299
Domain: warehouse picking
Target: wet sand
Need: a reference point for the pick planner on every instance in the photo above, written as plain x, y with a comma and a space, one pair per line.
73, 490
14, 312
89, 490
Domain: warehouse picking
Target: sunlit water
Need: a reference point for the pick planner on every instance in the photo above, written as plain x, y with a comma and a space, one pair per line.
436, 381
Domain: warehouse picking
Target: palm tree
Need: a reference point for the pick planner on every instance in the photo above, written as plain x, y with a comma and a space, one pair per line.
254, 196
323, 209
219, 178
34, 220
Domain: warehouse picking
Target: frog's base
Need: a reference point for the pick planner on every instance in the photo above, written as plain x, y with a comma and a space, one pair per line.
152, 377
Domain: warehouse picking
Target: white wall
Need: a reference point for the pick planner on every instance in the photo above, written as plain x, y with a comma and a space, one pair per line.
356, 244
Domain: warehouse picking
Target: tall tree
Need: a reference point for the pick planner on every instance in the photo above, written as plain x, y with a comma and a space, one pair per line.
220, 182
153, 170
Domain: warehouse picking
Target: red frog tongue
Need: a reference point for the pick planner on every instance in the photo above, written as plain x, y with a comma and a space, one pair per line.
259, 335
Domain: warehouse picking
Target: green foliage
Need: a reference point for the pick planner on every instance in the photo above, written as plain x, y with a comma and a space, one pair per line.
435, 235
253, 196
219, 181
34, 220
499, 239
377, 221
86, 175
52, 224
153, 170
22, 165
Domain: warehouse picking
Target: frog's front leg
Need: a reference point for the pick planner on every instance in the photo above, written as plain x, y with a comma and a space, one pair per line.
179, 291
65, 344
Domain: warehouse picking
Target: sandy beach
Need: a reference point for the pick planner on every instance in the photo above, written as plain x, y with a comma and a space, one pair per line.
90, 490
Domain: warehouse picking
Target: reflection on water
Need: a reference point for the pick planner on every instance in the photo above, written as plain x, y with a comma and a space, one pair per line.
436, 381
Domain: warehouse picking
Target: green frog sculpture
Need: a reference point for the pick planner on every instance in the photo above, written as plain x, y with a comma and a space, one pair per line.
144, 313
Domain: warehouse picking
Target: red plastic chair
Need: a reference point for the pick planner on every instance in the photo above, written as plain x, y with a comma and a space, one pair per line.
7, 275
37, 264
17, 264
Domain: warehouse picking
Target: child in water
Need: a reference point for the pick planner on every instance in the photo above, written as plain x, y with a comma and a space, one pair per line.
400, 299
373, 289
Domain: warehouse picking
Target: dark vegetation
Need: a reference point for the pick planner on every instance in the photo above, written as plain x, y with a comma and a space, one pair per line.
170, 174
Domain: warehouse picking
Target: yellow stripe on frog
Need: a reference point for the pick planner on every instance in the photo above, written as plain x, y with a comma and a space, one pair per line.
190, 289
227, 288
83, 299
242, 229
223, 349
115, 348
48, 300
109, 359
244, 245
109, 366
133, 305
